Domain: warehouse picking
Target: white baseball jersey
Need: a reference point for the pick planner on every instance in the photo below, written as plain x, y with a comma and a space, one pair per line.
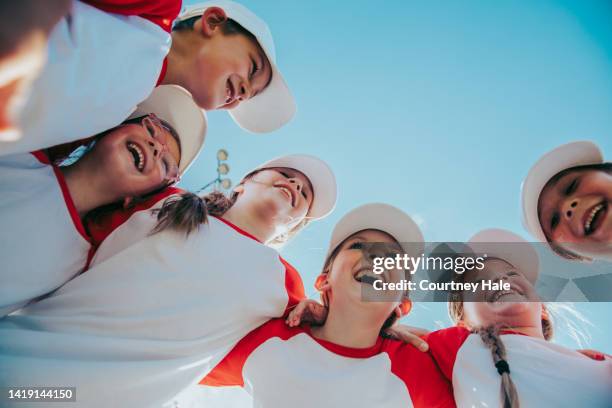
153, 319
42, 241
100, 66
544, 373
288, 367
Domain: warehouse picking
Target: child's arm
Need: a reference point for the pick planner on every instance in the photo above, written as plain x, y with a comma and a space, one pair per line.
312, 312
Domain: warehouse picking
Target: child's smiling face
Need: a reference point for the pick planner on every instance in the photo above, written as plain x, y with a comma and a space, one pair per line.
513, 308
228, 68
574, 211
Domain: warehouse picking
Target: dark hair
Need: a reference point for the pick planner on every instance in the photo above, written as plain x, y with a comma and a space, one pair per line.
556, 247
228, 27
187, 212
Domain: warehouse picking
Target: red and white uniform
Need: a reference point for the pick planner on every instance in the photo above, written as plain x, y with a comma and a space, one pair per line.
104, 59
151, 320
288, 367
43, 243
544, 373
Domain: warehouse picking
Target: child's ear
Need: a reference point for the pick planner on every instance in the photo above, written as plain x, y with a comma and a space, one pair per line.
239, 189
212, 19
403, 308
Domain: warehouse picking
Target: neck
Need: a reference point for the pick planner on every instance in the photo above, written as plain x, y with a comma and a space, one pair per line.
531, 331
349, 329
178, 56
261, 229
87, 186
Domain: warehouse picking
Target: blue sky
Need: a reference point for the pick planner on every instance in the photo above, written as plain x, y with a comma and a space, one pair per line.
439, 108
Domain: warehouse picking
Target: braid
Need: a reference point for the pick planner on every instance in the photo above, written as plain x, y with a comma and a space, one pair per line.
490, 337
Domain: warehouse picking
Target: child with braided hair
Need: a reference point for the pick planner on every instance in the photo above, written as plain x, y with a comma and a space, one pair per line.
511, 328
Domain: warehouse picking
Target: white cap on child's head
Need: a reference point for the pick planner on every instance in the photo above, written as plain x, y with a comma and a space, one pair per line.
274, 106
320, 175
175, 105
563, 157
510, 247
382, 217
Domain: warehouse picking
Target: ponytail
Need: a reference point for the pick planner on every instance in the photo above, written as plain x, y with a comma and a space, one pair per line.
490, 337
188, 211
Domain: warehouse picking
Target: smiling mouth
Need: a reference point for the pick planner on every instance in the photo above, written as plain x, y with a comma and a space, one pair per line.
594, 218
138, 155
495, 297
363, 276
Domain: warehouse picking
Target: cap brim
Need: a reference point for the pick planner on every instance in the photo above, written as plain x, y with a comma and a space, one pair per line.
175, 105
510, 247
563, 157
270, 110
275, 105
320, 176
383, 217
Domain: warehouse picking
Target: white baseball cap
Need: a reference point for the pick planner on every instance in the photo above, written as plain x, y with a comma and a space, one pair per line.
320, 175
510, 247
175, 105
563, 157
383, 217
274, 106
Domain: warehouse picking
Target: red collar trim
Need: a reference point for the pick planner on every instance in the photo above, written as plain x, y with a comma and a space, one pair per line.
163, 71
238, 229
74, 215
348, 351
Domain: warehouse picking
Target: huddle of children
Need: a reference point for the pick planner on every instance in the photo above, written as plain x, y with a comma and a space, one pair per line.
124, 286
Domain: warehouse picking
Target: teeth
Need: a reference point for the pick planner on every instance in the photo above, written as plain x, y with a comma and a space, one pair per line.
139, 153
589, 221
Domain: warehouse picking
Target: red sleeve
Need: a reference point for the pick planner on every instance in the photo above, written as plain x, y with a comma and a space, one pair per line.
103, 224
294, 286
229, 370
161, 12
426, 384
444, 345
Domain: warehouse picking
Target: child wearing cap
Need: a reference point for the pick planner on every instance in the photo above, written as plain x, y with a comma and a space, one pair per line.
108, 55
126, 163
499, 353
345, 362
152, 319
566, 201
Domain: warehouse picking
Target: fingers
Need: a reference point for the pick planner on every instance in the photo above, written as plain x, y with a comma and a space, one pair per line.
400, 333
295, 316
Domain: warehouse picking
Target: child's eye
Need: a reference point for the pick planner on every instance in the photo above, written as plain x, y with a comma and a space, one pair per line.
571, 188
356, 245
304, 194
150, 129
554, 221
512, 273
254, 68
284, 174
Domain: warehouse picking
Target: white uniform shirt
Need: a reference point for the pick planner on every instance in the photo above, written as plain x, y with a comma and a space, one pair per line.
139, 327
544, 373
288, 367
100, 66
42, 241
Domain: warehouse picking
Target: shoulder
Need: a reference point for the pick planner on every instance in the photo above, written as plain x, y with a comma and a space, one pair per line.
161, 12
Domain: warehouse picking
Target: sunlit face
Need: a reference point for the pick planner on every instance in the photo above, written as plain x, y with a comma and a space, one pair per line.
138, 158
351, 275
516, 307
227, 70
574, 211
281, 195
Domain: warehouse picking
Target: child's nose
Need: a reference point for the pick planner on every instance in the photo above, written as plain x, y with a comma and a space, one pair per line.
569, 207
244, 91
156, 146
297, 182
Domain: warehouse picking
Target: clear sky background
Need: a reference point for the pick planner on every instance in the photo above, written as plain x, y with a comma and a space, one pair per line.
439, 108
